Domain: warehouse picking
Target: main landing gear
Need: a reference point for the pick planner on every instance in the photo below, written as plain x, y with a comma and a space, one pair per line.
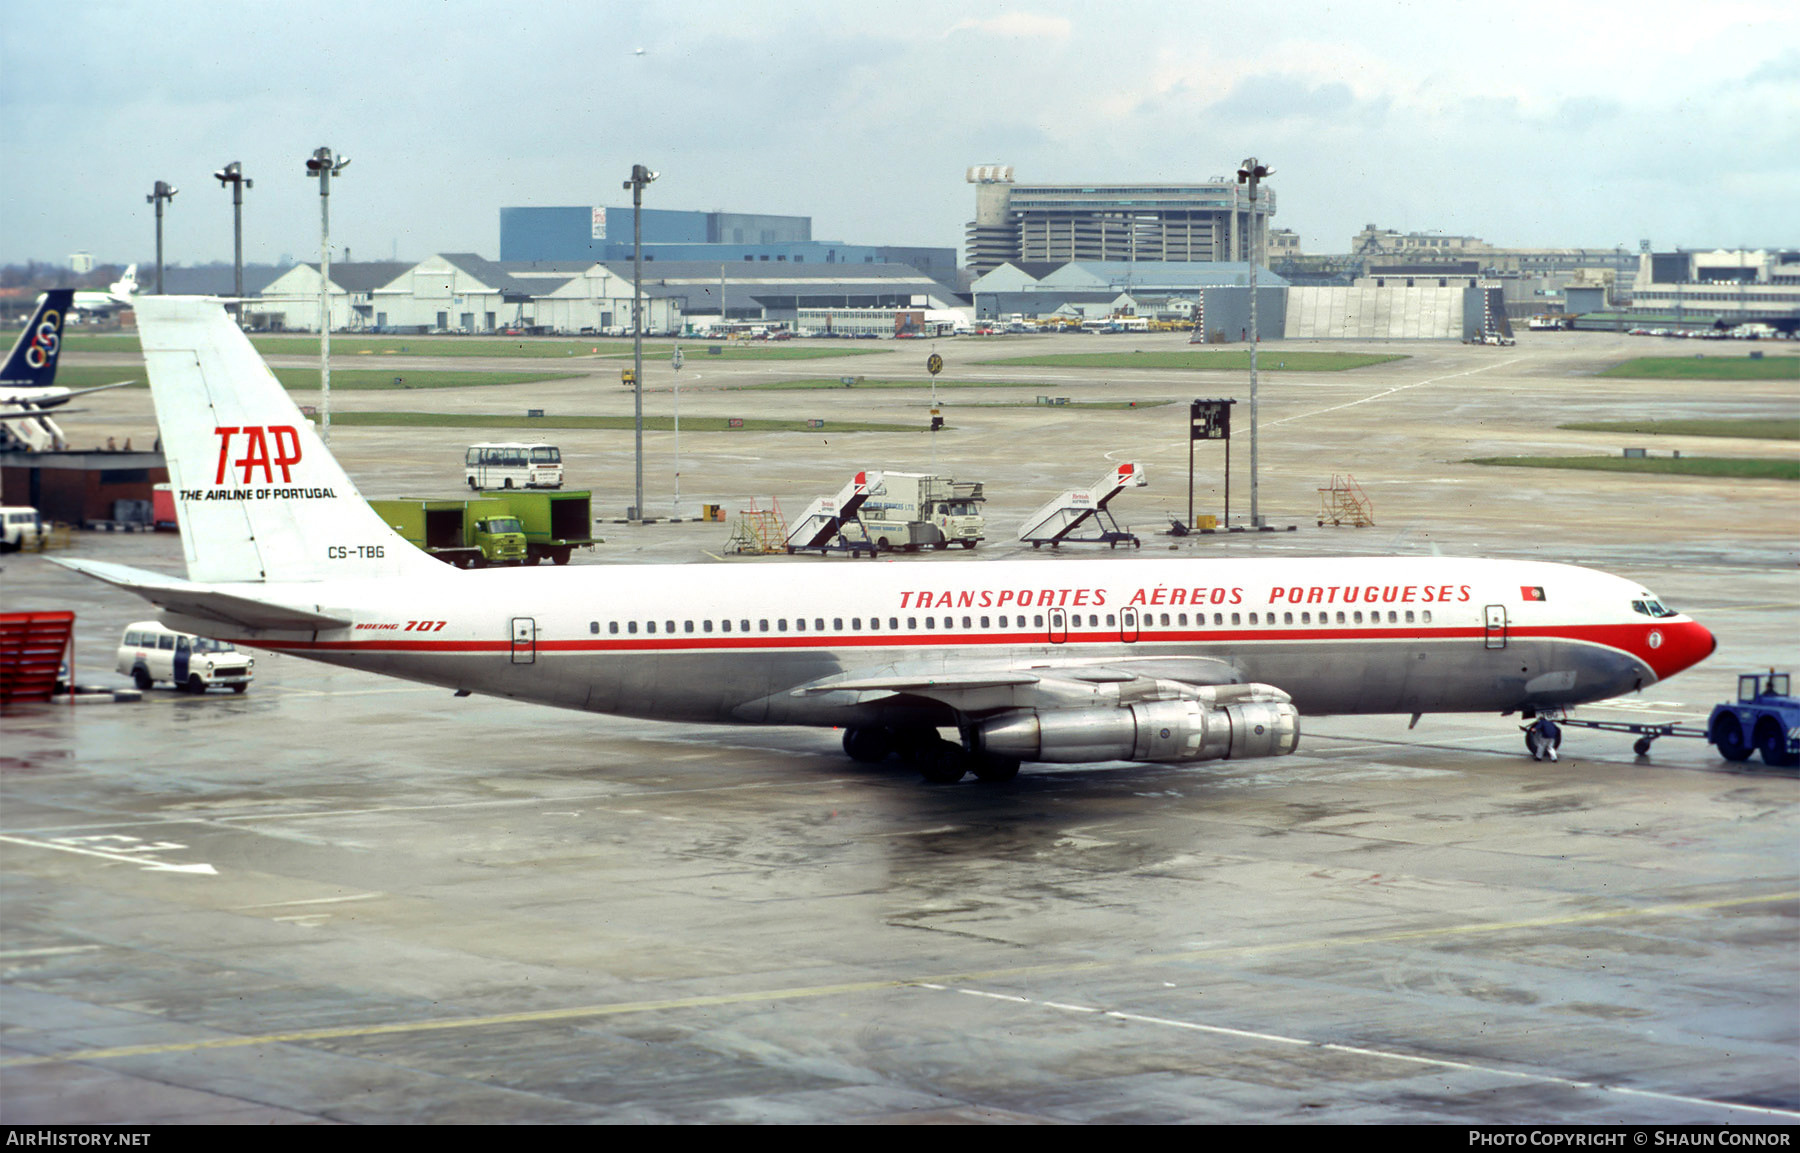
939, 761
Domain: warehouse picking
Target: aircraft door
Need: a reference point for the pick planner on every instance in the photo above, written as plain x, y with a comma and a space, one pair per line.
1495, 629
1059, 626
524, 641
1128, 624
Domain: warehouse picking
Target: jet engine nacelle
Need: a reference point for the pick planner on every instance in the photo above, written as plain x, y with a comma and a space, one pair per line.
1173, 730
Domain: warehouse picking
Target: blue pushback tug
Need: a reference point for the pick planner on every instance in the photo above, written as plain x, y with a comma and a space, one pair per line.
1764, 719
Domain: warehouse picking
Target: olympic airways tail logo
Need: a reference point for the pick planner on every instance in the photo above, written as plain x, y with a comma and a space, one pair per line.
45, 341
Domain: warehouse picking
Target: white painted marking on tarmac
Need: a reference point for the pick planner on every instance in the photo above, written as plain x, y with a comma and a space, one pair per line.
1385, 393
54, 951
147, 864
310, 901
1376, 1054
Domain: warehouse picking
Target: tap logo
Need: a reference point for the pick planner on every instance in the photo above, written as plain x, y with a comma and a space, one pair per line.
45, 341
265, 447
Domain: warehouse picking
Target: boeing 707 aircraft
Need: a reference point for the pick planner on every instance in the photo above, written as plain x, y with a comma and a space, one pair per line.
1171, 660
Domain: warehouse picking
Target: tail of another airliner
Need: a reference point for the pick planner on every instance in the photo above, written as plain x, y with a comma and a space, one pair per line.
127, 285
258, 495
32, 363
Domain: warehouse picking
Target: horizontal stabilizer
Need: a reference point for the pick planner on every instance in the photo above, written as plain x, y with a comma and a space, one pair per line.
206, 602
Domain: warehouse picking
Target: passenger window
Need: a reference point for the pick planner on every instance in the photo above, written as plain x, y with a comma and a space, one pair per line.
837, 624
1357, 617
931, 622
1218, 618
669, 626
743, 626
912, 622
594, 627
725, 626
1409, 616
762, 626
1037, 620
966, 623
1287, 618
781, 625
799, 624
856, 624
1234, 619
1427, 615
649, 626
1340, 618
631, 627
612, 627
1252, 618
984, 622
688, 626
706, 626
818, 624
1181, 619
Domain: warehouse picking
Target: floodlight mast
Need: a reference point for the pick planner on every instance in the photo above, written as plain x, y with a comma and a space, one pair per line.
640, 176
233, 174
161, 192
1252, 173
324, 165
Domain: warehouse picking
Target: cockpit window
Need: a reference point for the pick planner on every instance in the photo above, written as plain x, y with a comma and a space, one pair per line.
1651, 608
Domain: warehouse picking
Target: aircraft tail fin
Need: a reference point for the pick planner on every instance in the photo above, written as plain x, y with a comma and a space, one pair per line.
258, 495
32, 363
126, 285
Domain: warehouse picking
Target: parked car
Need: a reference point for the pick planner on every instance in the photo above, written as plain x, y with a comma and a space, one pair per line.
150, 652
19, 528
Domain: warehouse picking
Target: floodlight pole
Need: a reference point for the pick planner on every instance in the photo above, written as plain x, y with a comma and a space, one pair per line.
1251, 173
640, 176
324, 165
162, 191
233, 174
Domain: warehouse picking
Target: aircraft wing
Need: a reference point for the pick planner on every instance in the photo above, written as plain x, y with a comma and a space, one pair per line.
30, 403
1038, 684
206, 602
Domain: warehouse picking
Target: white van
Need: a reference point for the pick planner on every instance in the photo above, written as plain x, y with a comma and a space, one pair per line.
151, 652
19, 528
513, 466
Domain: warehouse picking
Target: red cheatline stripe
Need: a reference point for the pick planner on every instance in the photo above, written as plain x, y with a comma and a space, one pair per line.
1611, 636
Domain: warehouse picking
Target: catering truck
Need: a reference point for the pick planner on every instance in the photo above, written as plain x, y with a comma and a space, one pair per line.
495, 528
907, 510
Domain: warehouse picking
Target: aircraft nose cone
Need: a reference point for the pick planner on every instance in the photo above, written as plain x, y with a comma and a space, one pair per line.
1676, 646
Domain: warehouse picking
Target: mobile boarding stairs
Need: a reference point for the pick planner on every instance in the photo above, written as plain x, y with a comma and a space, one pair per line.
1085, 511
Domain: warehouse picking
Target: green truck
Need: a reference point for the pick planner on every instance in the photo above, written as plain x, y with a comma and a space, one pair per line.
495, 528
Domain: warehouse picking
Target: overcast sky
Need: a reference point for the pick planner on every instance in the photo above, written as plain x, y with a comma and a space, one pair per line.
1576, 123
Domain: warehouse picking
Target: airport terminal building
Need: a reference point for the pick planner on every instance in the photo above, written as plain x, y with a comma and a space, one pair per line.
1111, 221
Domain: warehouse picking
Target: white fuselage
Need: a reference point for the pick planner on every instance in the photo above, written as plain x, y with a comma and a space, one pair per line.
710, 643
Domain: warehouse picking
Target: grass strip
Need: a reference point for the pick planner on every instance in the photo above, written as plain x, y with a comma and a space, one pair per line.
623, 423
1781, 366
1750, 428
1722, 467
1268, 360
